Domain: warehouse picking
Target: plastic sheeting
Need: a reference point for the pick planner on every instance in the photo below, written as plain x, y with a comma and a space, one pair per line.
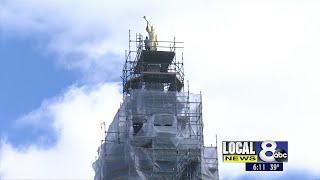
157, 135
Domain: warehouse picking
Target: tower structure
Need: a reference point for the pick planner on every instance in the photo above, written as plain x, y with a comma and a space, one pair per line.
157, 132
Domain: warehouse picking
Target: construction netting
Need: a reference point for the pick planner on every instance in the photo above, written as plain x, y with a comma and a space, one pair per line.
157, 135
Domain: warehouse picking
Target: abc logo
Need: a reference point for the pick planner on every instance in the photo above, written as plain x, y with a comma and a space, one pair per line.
279, 155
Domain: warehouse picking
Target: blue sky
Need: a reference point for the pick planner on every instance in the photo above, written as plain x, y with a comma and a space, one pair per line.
27, 77
256, 63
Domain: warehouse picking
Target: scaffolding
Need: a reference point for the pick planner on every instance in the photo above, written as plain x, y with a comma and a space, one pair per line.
159, 69
157, 132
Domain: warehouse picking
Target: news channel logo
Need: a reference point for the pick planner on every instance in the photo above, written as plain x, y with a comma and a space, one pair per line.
255, 151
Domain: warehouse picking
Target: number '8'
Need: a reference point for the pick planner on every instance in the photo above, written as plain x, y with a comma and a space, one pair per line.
265, 149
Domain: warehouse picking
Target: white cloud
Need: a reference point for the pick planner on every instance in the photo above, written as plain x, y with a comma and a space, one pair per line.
77, 116
256, 62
